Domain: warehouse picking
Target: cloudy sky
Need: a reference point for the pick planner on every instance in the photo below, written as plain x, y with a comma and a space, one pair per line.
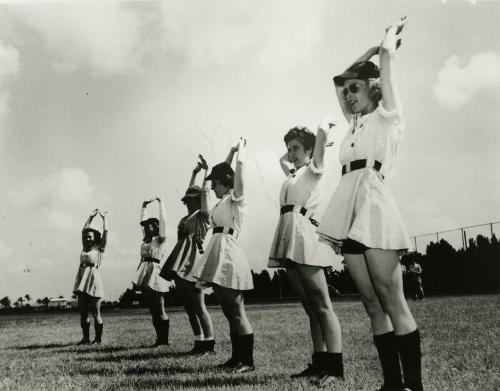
105, 104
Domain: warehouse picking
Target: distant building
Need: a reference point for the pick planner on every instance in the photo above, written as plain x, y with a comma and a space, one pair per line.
59, 302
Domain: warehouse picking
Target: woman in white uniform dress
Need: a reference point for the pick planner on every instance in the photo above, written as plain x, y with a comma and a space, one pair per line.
88, 283
296, 247
147, 277
362, 220
181, 262
224, 265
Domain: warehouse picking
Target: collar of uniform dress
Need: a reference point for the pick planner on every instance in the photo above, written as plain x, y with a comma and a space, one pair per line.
294, 170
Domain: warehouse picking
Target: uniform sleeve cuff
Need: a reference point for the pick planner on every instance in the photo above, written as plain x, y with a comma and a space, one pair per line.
389, 114
237, 199
315, 169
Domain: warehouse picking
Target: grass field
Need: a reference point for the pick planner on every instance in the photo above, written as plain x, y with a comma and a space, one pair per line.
461, 347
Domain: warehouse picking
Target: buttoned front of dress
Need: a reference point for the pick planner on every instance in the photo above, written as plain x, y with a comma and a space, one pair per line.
362, 207
224, 263
373, 136
88, 279
301, 187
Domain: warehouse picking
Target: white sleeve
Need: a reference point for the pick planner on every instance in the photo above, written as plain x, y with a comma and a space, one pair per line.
314, 169
236, 199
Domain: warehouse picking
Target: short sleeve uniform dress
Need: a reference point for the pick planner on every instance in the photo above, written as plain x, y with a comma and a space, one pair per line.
153, 255
188, 251
224, 263
362, 207
88, 279
295, 238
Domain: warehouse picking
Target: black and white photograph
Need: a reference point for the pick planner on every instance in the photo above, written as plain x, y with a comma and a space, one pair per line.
250, 195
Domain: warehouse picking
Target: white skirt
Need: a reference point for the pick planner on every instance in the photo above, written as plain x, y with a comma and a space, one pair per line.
223, 263
296, 240
363, 209
148, 276
88, 280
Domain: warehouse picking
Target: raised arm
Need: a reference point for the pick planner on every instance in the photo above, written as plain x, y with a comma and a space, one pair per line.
387, 52
339, 89
239, 184
205, 187
105, 227
286, 164
162, 219
89, 220
196, 170
230, 155
321, 141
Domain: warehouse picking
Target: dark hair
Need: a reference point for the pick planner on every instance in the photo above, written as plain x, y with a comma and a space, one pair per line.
303, 135
156, 230
226, 180
97, 235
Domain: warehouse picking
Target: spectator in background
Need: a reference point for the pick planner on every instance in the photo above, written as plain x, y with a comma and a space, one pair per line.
415, 280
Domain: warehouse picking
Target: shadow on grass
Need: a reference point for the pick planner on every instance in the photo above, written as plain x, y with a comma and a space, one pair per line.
203, 382
83, 349
147, 355
167, 370
131, 357
44, 346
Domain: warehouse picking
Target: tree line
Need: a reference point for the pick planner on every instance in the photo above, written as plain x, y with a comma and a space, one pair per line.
446, 270
473, 270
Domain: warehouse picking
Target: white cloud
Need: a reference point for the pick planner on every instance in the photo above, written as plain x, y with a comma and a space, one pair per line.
5, 250
458, 83
9, 58
56, 202
9, 66
273, 33
102, 35
474, 2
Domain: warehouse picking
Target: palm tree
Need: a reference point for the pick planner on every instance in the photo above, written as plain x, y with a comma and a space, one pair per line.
28, 298
46, 301
5, 302
20, 300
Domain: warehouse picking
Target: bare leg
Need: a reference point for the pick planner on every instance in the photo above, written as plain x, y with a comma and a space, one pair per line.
385, 272
316, 333
233, 306
185, 292
316, 289
358, 270
83, 306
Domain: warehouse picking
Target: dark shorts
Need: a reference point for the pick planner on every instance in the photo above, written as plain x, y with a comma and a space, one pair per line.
350, 246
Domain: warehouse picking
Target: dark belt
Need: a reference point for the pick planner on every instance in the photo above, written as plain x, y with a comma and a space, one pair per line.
87, 264
358, 165
302, 211
220, 230
148, 259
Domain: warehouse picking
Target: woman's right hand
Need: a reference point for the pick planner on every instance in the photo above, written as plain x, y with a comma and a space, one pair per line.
202, 163
145, 203
197, 169
391, 41
94, 212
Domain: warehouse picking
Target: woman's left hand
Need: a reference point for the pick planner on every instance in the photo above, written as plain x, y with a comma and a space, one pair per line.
391, 41
327, 125
103, 214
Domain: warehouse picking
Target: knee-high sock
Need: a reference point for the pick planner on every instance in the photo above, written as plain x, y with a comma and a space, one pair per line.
98, 331
245, 344
388, 354
332, 364
411, 360
85, 325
